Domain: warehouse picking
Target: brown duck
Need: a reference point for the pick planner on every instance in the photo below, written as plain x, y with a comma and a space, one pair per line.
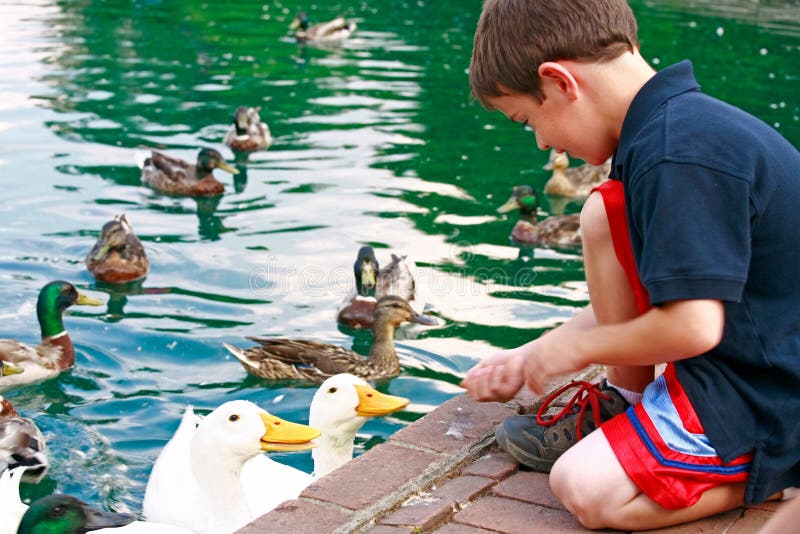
575, 182
118, 256
295, 359
178, 177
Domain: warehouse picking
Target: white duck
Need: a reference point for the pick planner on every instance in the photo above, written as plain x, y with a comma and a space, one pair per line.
340, 407
197, 480
12, 509
21, 443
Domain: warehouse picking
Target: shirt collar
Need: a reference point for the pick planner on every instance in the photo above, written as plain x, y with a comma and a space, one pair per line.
672, 81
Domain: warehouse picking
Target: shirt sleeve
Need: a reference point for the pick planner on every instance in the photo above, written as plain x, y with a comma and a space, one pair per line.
694, 227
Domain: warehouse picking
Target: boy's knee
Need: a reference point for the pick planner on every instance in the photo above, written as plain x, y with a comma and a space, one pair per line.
568, 483
594, 220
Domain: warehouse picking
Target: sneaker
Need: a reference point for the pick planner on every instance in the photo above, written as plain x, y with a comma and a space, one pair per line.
536, 441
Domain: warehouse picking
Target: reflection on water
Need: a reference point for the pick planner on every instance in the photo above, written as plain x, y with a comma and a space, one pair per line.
375, 142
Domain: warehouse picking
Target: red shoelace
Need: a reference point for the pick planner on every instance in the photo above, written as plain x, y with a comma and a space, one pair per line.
588, 394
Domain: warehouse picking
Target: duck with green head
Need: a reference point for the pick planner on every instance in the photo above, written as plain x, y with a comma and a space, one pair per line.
118, 256
179, 177
554, 231
299, 359
55, 352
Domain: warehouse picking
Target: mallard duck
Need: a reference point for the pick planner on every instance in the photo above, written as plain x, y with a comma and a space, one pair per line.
21, 443
324, 32
569, 181
118, 256
558, 230
55, 352
248, 133
295, 359
373, 282
196, 482
178, 177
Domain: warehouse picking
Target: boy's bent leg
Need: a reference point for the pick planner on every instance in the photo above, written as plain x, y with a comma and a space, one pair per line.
592, 484
611, 288
613, 301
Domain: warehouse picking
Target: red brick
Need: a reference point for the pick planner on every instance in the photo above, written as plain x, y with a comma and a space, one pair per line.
386, 529
370, 477
529, 487
298, 517
460, 528
716, 524
432, 508
496, 465
455, 425
508, 515
752, 520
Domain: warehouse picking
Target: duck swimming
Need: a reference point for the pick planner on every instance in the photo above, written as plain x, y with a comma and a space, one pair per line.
556, 231
118, 256
569, 181
179, 177
295, 359
334, 30
248, 133
373, 282
340, 407
21, 443
196, 482
55, 352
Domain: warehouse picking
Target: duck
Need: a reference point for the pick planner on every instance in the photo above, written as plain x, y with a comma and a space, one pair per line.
179, 177
373, 282
21, 443
339, 408
334, 30
118, 256
55, 353
308, 360
569, 181
196, 482
66, 514
554, 231
248, 133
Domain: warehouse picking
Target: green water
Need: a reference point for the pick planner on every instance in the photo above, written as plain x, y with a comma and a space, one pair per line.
376, 142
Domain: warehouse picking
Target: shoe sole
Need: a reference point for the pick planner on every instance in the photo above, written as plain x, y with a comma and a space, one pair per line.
520, 455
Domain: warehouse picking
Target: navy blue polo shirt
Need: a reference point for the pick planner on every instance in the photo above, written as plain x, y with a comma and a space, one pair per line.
713, 203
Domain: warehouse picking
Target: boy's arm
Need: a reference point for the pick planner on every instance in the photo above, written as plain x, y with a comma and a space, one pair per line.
670, 332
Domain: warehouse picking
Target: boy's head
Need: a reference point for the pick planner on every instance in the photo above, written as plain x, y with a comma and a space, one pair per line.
514, 37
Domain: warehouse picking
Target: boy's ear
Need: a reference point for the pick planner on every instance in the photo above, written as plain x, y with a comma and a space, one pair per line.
561, 77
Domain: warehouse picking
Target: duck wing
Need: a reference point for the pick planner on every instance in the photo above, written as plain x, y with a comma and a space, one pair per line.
325, 358
395, 279
174, 168
17, 352
22, 444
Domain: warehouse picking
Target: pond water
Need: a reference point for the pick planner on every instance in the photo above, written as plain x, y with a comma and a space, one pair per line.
376, 142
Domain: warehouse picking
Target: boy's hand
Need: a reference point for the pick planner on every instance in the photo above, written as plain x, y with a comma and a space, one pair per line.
496, 378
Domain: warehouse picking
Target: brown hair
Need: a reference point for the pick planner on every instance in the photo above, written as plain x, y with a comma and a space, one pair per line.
514, 37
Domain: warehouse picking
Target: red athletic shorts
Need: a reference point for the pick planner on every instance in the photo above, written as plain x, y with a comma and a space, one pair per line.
660, 442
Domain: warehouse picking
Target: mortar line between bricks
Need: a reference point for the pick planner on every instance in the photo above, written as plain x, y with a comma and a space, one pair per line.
435, 471
326, 504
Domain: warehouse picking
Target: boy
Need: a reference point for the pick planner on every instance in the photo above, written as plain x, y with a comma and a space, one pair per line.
691, 258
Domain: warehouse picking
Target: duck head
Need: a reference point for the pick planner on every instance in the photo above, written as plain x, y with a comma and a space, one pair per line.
63, 514
395, 310
54, 298
366, 271
300, 21
523, 198
209, 159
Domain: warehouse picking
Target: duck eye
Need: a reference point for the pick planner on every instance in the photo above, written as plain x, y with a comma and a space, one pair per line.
58, 511
332, 390
233, 418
